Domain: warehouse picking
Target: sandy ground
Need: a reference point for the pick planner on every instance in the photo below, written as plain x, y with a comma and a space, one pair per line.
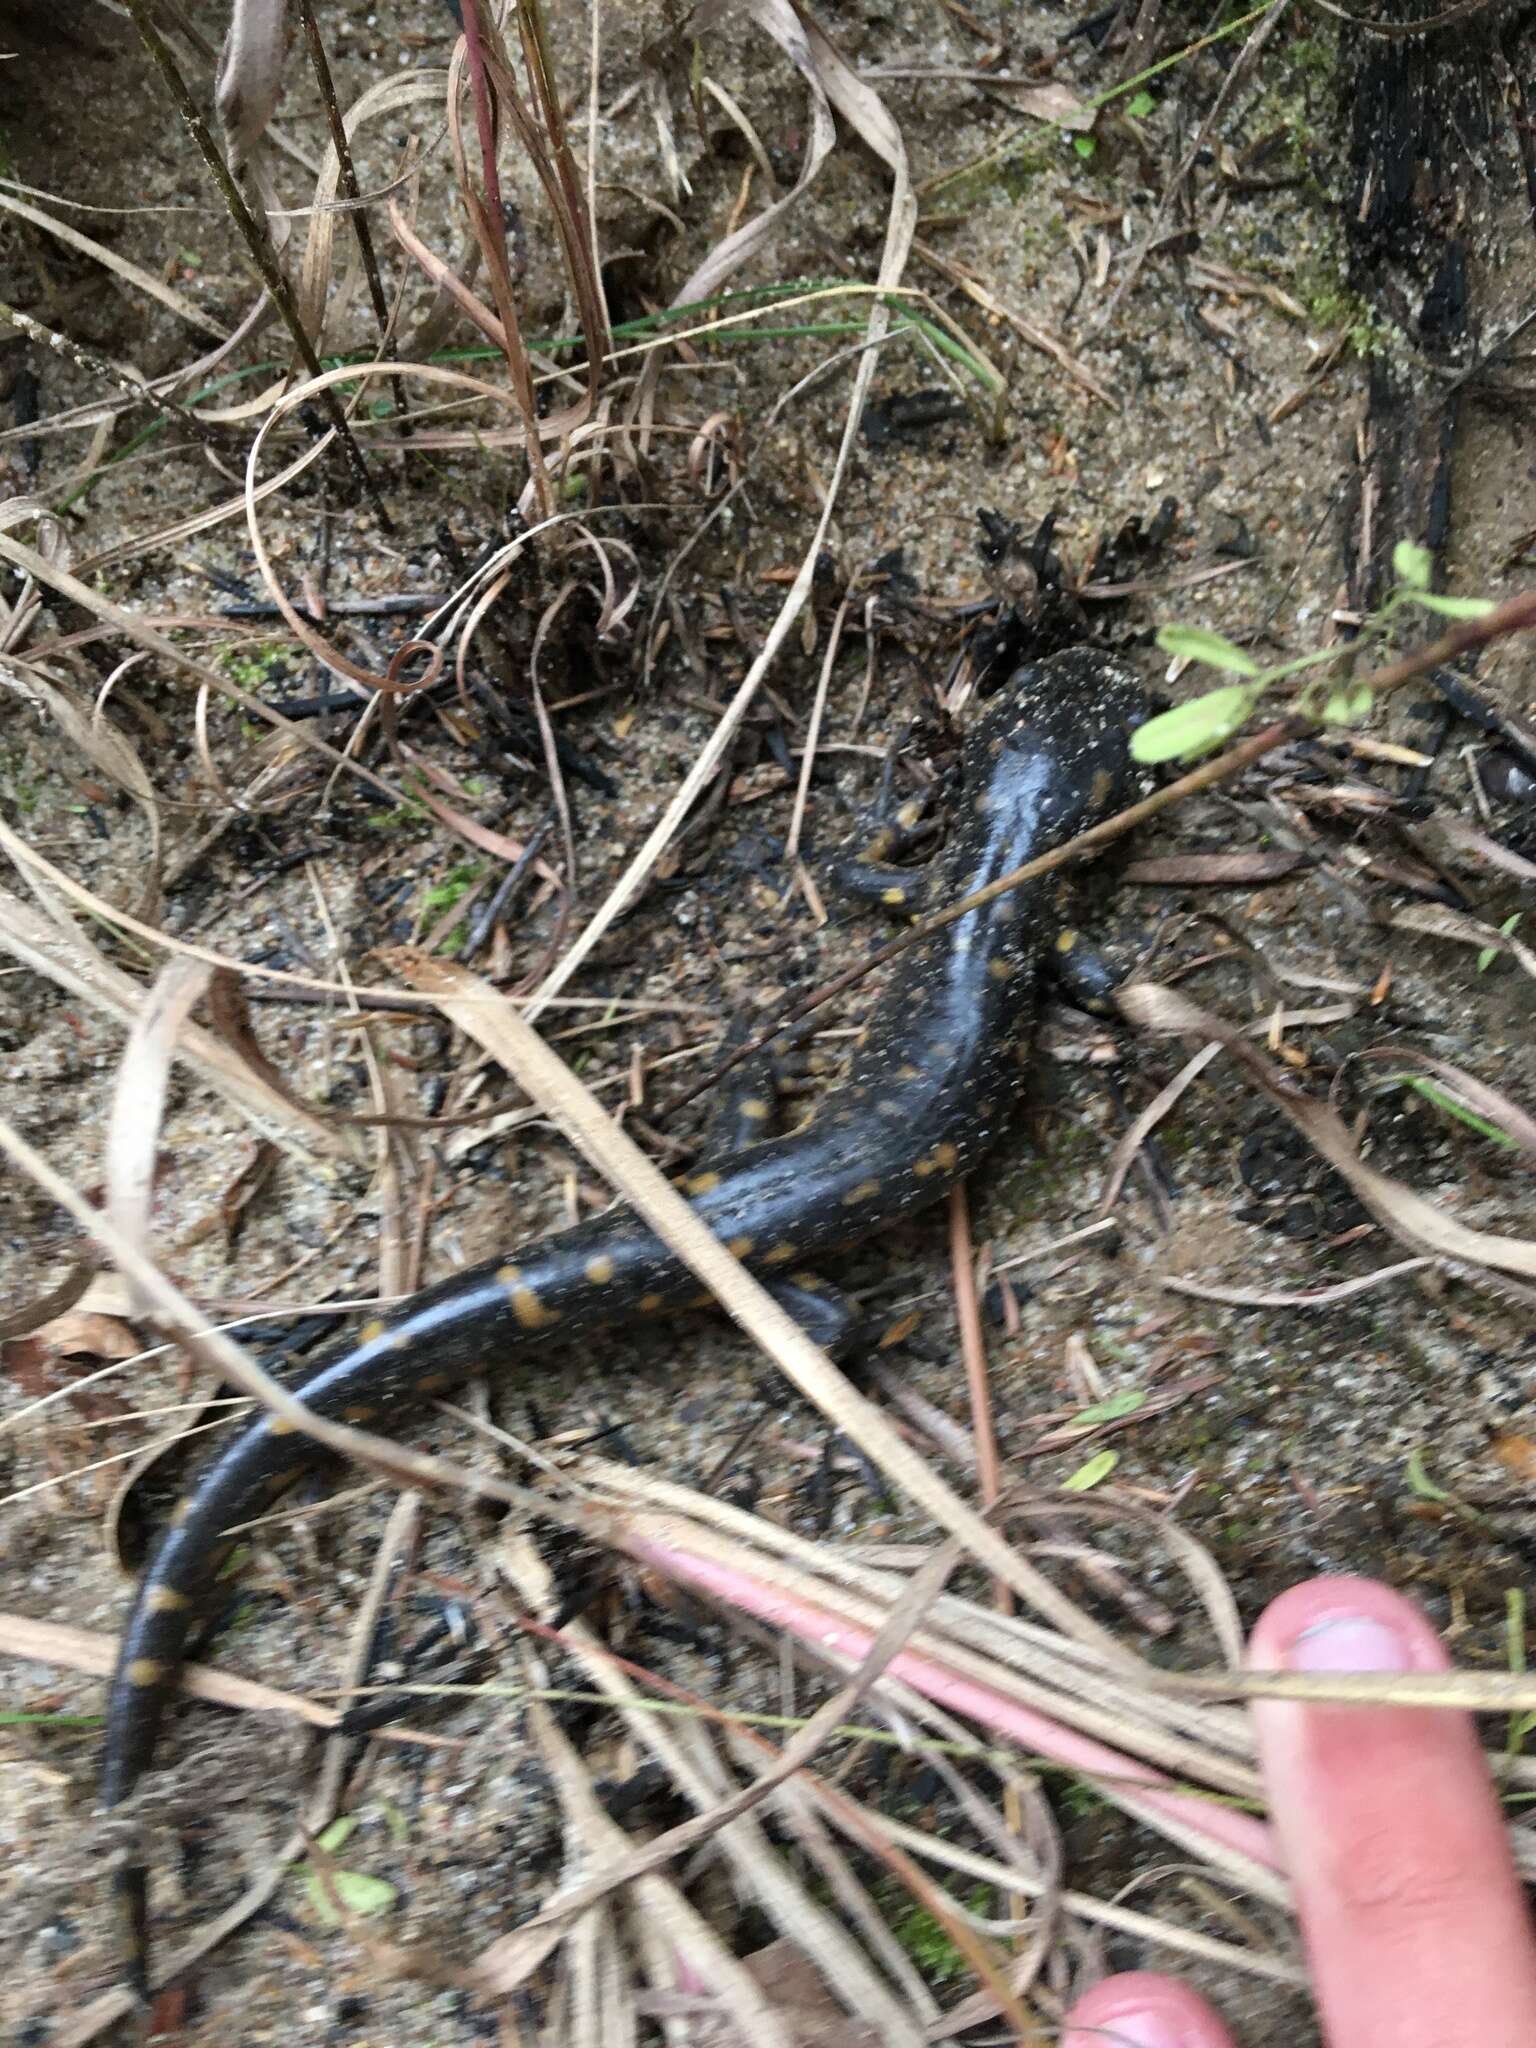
1295, 1448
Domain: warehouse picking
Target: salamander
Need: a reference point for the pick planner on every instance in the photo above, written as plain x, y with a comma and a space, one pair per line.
925, 1095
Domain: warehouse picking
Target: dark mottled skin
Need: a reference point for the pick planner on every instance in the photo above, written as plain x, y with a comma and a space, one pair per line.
928, 1087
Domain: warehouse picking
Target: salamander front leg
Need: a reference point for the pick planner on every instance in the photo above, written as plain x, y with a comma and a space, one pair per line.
867, 869
900, 892
1085, 976
747, 1101
827, 1317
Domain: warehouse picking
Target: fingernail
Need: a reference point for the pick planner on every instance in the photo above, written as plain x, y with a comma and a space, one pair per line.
1350, 1642
1141, 2027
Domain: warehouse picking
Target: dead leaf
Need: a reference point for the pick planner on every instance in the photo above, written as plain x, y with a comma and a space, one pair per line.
1412, 1220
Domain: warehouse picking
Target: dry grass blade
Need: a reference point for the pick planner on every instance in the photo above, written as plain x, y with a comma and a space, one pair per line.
1442, 923
138, 1099
60, 952
1417, 1223
866, 113
760, 1871
1321, 1297
389, 99
678, 1942
141, 280
227, 1361
95, 1655
1033, 336
471, 1004
1146, 1123
503, 1965
102, 743
779, 21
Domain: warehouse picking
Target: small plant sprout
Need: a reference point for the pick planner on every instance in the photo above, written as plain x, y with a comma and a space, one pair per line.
1208, 721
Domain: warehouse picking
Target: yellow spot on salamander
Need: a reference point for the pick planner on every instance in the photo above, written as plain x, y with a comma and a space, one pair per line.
166, 1600
703, 1299
864, 1192
279, 1425
144, 1671
809, 1283
1065, 941
780, 1255
434, 1383
180, 1512
895, 897
909, 1073
702, 1183
359, 1412
755, 1111
370, 1333
649, 1303
529, 1310
910, 814
740, 1247
599, 1270
942, 1159
999, 968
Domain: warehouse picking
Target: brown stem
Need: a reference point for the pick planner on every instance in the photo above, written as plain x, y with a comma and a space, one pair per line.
347, 178
258, 244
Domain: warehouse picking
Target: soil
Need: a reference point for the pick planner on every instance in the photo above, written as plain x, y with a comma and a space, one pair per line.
1389, 1433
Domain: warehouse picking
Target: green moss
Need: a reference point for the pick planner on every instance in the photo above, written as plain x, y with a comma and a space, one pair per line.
926, 1942
254, 667
21, 790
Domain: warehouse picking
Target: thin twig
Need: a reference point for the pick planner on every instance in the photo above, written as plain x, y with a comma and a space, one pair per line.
347, 177
98, 366
259, 244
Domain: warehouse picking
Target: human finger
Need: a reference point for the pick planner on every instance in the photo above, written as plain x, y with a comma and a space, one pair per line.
1140, 2010
1415, 1924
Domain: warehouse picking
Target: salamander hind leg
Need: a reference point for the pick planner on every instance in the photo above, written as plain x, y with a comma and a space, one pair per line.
746, 1104
827, 1317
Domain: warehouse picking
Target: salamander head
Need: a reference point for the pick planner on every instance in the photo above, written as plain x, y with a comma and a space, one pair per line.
1053, 746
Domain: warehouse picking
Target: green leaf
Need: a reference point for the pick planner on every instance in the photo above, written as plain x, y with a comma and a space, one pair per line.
355, 1892
1115, 1409
1193, 728
1142, 105
1084, 145
1419, 1481
1459, 1110
1412, 565
1453, 607
1489, 954
1193, 643
1093, 1473
1350, 705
